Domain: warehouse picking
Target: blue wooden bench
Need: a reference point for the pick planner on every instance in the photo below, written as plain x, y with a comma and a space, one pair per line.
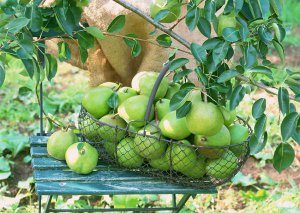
52, 177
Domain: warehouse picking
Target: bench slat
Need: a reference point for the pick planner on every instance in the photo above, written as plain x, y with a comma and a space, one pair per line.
96, 176
113, 188
43, 163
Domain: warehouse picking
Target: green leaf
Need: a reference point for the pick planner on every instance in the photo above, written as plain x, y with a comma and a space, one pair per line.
4, 164
227, 75
177, 63
250, 56
204, 27
210, 10
231, 34
17, 24
262, 70
192, 18
265, 34
36, 20
161, 15
198, 52
113, 101
134, 44
51, 66
83, 54
264, 7
280, 50
85, 40
24, 91
179, 98
179, 75
260, 126
276, 6
220, 52
164, 40
64, 23
183, 110
80, 146
2, 74
64, 52
256, 145
236, 97
259, 108
201, 76
283, 157
26, 49
288, 125
211, 43
96, 32
283, 100
244, 31
29, 66
117, 24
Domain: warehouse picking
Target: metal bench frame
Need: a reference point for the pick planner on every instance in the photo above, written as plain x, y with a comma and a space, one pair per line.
172, 190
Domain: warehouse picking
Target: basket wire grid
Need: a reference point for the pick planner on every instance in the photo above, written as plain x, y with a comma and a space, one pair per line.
148, 152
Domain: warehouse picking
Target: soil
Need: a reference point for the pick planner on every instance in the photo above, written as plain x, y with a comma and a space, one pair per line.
20, 172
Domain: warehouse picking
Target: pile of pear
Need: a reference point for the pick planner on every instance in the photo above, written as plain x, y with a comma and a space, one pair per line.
200, 140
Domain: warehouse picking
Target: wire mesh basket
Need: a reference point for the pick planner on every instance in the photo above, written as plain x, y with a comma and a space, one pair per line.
148, 152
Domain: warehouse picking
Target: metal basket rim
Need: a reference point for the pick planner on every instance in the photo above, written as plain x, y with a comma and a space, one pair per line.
170, 141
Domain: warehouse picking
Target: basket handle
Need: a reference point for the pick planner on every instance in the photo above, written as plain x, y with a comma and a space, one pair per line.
154, 90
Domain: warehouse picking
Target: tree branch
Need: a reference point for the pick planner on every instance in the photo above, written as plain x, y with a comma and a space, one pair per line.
177, 22
145, 40
151, 21
185, 43
270, 90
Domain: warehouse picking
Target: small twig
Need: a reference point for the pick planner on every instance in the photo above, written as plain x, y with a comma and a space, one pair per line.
151, 21
178, 21
145, 40
270, 90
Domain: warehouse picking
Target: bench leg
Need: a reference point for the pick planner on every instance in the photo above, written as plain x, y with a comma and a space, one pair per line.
48, 204
40, 203
181, 203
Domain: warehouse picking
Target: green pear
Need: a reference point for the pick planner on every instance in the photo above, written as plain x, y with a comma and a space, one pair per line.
225, 21
124, 93
239, 133
174, 128
198, 170
90, 130
204, 118
134, 109
135, 82
114, 131
161, 163
183, 156
229, 116
162, 107
172, 89
126, 155
222, 167
110, 147
222, 138
59, 142
112, 85
132, 130
149, 147
95, 101
146, 82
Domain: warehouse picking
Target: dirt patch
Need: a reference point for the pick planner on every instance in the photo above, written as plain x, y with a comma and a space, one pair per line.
293, 172
20, 172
